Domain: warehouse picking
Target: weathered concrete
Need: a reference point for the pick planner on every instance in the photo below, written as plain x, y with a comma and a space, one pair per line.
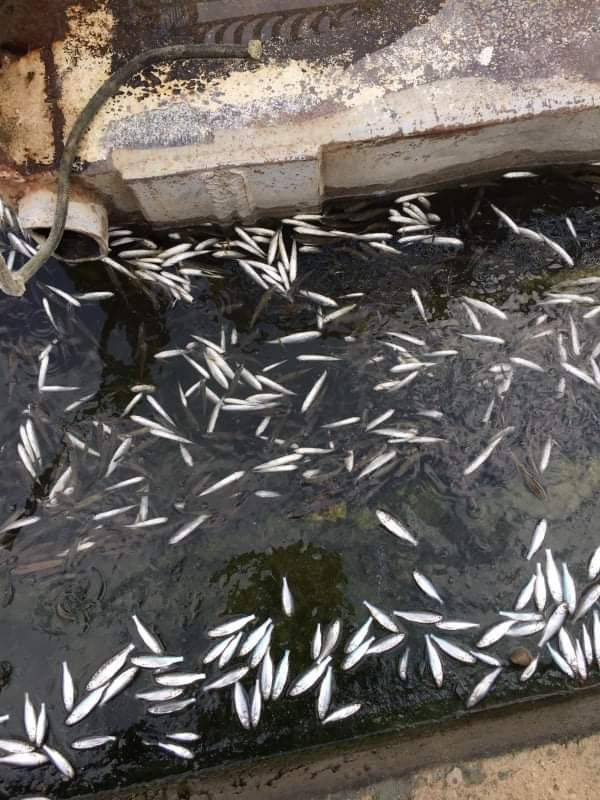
535, 749
378, 101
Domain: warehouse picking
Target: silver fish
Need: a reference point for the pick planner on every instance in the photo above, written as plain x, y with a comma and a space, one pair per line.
233, 626
525, 594
483, 687
177, 679
455, 625
235, 476
233, 676
386, 643
188, 528
241, 704
587, 601
149, 639
29, 718
177, 749
160, 695
381, 617
41, 728
554, 624
567, 649
495, 633
377, 463
312, 394
568, 587
183, 736
421, 617
59, 761
294, 338
255, 705
545, 457
109, 669
85, 706
173, 707
403, 664
92, 741
435, 662
486, 308
155, 662
266, 676
538, 537
330, 639
15, 746
308, 679
487, 452
529, 670
342, 713
324, 696
356, 655
540, 588
453, 650
68, 687
228, 653
426, 586
281, 675
394, 526
254, 637
553, 578
24, 759
560, 661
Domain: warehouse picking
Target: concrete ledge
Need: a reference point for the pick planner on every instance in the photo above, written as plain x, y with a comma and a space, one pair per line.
463, 755
477, 85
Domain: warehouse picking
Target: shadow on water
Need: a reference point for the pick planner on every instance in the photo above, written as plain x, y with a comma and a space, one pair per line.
69, 584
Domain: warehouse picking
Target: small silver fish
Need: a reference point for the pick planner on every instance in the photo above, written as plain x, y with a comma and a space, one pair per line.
308, 679
85, 706
342, 713
426, 586
173, 707
394, 526
177, 679
24, 759
92, 742
155, 662
453, 650
483, 687
538, 537
324, 696
255, 705
149, 639
381, 617
281, 675
109, 669
525, 594
495, 633
233, 676
59, 761
233, 626
241, 704
435, 662
554, 624
553, 578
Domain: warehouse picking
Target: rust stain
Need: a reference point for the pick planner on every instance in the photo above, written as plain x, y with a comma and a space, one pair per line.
53, 101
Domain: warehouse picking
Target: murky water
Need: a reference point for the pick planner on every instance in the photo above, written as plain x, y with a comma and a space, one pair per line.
69, 584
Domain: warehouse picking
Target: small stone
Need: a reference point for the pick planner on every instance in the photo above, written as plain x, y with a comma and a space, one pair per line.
521, 657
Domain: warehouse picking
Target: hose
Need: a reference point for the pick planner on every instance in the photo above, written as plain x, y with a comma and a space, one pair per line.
14, 283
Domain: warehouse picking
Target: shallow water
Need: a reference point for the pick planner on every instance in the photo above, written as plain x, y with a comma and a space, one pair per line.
68, 587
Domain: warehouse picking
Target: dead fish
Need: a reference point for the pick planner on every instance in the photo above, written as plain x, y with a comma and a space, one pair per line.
324, 696
254, 637
553, 578
296, 338
241, 705
177, 749
173, 707
29, 718
420, 617
92, 742
568, 589
386, 643
403, 664
235, 476
483, 687
453, 650
151, 641
312, 394
287, 601
159, 695
15, 746
487, 452
227, 679
378, 462
281, 675
189, 527
184, 736
395, 527
357, 654
538, 537
59, 761
594, 565
554, 623
308, 679
455, 625
342, 713
359, 636
560, 662
109, 669
435, 662
156, 661
486, 308
426, 586
590, 597
495, 633
381, 617
68, 687
24, 759
85, 706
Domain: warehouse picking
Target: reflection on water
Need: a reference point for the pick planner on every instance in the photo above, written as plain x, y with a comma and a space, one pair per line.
69, 584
